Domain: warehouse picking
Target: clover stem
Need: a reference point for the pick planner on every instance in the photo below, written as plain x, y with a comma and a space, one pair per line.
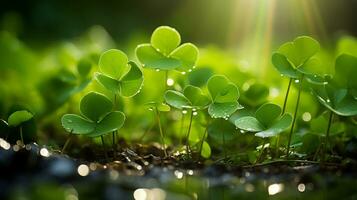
203, 137
294, 119
161, 132
67, 142
261, 152
277, 144
21, 136
181, 129
166, 77
114, 134
327, 137
146, 132
188, 149
104, 148
224, 146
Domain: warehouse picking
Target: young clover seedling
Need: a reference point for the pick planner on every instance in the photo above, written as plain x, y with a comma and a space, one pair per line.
267, 122
119, 76
295, 60
224, 98
339, 95
17, 118
192, 98
158, 108
164, 52
97, 117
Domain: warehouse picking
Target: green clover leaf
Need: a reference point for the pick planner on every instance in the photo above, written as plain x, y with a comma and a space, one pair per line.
192, 97
97, 120
224, 97
164, 52
118, 75
266, 122
19, 117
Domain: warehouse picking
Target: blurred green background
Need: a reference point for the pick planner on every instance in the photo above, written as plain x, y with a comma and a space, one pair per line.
42, 42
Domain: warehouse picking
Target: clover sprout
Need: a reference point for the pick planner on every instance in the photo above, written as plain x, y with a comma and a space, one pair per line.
17, 118
96, 119
191, 98
165, 52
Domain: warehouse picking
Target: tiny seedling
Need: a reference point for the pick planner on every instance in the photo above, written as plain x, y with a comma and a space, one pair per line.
191, 98
17, 118
224, 99
339, 95
295, 60
97, 117
119, 76
165, 53
267, 122
158, 108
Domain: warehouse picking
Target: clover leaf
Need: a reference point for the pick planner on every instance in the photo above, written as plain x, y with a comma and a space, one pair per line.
97, 119
294, 59
339, 95
224, 97
266, 122
192, 97
119, 75
19, 117
164, 52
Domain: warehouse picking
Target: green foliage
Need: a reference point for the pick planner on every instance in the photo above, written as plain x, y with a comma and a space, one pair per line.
267, 121
164, 52
97, 120
295, 59
224, 97
118, 74
19, 117
191, 98
339, 95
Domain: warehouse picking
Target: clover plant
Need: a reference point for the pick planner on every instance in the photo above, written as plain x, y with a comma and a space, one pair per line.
339, 95
96, 119
224, 97
267, 122
191, 98
295, 60
119, 75
165, 52
17, 118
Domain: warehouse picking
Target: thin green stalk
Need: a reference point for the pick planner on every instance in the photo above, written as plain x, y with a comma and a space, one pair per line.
327, 137
294, 119
114, 134
104, 148
146, 132
283, 111
224, 146
188, 149
203, 139
166, 77
67, 142
181, 128
21, 136
161, 132
261, 152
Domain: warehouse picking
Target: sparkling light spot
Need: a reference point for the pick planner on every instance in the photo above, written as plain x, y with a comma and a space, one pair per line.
274, 92
140, 194
83, 170
301, 187
44, 152
4, 144
275, 188
178, 174
170, 82
306, 116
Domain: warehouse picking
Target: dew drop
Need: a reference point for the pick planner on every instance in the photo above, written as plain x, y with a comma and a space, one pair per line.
297, 81
190, 70
184, 112
195, 113
183, 73
157, 70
